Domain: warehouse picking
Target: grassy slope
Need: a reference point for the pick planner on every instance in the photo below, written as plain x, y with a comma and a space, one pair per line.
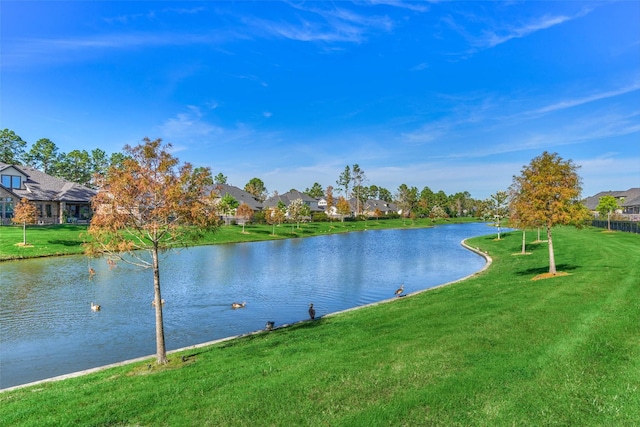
497, 349
68, 239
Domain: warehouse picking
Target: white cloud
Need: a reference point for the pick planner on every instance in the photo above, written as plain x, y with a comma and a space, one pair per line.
492, 39
569, 103
188, 125
319, 23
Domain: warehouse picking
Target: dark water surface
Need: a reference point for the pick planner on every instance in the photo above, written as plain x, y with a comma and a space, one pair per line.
47, 327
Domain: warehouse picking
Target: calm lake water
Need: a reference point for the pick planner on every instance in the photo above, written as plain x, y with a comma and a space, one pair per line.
47, 327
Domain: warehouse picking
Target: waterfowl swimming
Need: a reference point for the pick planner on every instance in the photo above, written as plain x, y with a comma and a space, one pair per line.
153, 303
269, 326
95, 307
400, 290
312, 311
92, 272
238, 304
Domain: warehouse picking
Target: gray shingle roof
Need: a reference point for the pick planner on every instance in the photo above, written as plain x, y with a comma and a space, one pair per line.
290, 196
631, 198
240, 195
43, 187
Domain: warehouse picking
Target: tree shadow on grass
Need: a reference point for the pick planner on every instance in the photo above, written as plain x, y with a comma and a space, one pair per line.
282, 328
258, 231
65, 242
543, 270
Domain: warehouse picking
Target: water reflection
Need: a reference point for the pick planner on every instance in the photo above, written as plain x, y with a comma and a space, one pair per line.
47, 327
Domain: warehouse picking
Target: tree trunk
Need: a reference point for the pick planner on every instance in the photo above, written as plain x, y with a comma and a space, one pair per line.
524, 241
24, 233
552, 260
161, 351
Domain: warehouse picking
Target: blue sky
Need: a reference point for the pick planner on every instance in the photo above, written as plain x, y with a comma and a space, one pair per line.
457, 96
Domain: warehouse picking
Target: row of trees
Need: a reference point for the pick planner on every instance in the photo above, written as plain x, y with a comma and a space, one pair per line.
78, 166
81, 166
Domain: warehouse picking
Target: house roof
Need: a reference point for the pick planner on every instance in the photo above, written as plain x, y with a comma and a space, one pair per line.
631, 198
384, 206
40, 186
240, 195
292, 195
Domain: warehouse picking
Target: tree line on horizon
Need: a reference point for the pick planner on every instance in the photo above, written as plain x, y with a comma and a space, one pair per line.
82, 166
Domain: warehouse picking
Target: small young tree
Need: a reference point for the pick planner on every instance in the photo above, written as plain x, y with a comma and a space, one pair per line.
25, 213
547, 192
228, 205
146, 205
295, 210
330, 201
245, 213
499, 208
606, 206
305, 212
273, 216
343, 207
377, 213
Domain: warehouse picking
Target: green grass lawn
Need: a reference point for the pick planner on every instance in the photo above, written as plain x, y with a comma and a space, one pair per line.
54, 240
497, 349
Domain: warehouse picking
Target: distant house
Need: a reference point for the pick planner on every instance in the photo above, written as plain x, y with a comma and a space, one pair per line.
57, 201
292, 195
368, 209
383, 206
237, 193
220, 190
628, 200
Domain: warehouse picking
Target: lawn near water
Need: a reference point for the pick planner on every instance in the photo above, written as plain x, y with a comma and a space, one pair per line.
496, 349
52, 240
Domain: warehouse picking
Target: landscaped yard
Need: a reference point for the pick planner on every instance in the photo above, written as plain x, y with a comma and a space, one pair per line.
496, 349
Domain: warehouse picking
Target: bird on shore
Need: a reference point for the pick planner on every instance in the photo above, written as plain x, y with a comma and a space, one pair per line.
95, 307
269, 326
238, 305
400, 290
312, 311
153, 303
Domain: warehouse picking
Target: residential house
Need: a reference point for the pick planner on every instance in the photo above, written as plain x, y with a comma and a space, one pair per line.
628, 200
240, 195
58, 201
368, 209
292, 195
383, 206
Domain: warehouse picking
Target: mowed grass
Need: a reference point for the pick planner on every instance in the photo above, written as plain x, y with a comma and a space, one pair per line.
52, 240
497, 349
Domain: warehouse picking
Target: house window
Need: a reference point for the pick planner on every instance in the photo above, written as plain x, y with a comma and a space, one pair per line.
48, 210
6, 208
12, 181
